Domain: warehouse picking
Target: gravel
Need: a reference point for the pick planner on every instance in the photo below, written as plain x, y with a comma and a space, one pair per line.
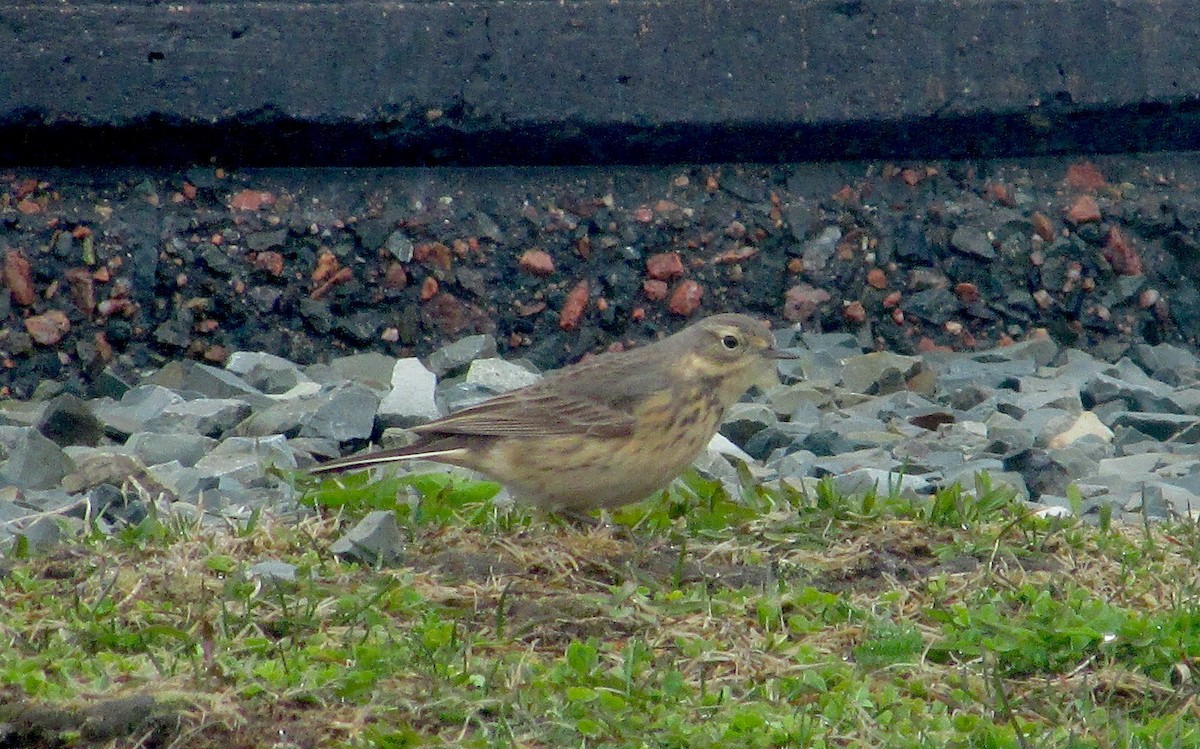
168, 337
1039, 418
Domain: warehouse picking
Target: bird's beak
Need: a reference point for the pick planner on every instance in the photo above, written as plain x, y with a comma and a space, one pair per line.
774, 353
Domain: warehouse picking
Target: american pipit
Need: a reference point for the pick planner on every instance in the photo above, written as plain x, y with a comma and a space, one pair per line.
609, 430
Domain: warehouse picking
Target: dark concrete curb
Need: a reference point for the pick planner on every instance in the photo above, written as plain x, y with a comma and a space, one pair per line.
534, 81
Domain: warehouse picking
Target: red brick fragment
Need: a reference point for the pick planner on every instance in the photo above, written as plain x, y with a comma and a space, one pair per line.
395, 278
47, 329
664, 266
1084, 210
1120, 253
83, 289
18, 277
574, 307
251, 200
327, 265
429, 288
736, 255
1043, 226
655, 291
433, 253
686, 298
802, 301
1085, 176
537, 262
269, 261
967, 293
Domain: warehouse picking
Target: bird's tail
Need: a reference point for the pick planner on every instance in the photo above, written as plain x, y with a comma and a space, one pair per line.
379, 457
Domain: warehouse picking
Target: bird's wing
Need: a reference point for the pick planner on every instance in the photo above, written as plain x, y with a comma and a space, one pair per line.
570, 401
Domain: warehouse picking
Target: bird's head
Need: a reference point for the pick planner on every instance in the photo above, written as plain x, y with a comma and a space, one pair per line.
732, 352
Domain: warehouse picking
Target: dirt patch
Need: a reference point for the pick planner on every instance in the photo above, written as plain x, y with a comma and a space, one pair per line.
139, 719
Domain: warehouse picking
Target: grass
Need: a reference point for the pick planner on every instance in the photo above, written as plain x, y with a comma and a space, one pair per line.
782, 617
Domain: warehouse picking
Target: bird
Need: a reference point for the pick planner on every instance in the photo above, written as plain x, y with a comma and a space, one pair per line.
605, 432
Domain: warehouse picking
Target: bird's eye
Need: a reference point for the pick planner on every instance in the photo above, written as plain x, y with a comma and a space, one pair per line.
730, 342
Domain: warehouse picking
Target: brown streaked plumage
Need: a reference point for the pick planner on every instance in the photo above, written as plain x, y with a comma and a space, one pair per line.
607, 431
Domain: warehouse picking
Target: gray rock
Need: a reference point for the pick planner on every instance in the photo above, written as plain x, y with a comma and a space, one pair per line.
867, 479
372, 369
1128, 370
1061, 396
187, 483
965, 476
54, 501
265, 240
804, 400
902, 404
852, 461
45, 533
966, 373
10, 510
1160, 426
266, 372
347, 413
1179, 501
273, 571
878, 373
1154, 396
817, 252
1134, 466
963, 473
811, 367
184, 512
1005, 442
116, 379
103, 467
936, 305
399, 246
375, 540
1075, 461
111, 505
1042, 351
713, 466
794, 464
451, 358
152, 448
1186, 401
310, 449
499, 375
1152, 501
135, 409
1166, 363
211, 417
1046, 423
286, 417
359, 327
67, 420
455, 396
243, 459
972, 241
776, 438
210, 382
411, 399
834, 345
36, 463
744, 420
1122, 290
